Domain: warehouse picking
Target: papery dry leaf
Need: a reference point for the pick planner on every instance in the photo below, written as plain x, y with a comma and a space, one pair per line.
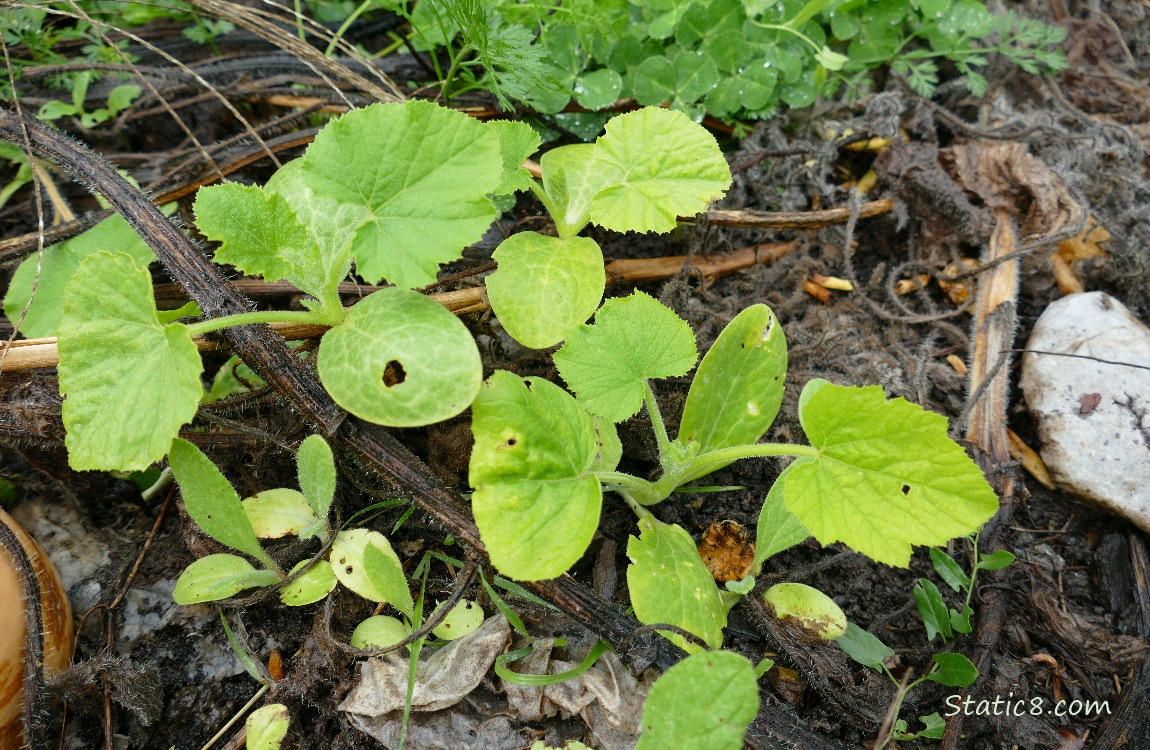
1007, 176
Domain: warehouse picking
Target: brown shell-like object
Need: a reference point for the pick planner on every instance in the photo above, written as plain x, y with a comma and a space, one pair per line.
727, 550
56, 626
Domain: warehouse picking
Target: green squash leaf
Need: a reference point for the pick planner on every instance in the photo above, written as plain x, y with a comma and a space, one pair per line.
347, 560
400, 359
419, 175
633, 339
954, 670
545, 286
385, 572
571, 181
217, 577
267, 726
517, 141
278, 513
704, 702
129, 382
778, 528
212, 502
649, 187
738, 388
262, 235
887, 476
316, 470
535, 502
59, 265
312, 585
669, 583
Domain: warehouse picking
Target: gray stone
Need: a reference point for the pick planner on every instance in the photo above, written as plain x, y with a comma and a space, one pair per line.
1093, 416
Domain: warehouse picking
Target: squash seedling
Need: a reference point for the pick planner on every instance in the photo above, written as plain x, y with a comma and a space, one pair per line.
360, 559
880, 476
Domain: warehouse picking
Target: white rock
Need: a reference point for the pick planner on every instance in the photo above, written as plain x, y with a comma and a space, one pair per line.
1093, 417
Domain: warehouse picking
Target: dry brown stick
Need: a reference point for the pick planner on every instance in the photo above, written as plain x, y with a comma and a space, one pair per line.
29, 354
992, 341
796, 219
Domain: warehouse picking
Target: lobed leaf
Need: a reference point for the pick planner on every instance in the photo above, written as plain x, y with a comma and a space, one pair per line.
57, 268
517, 142
418, 174
648, 188
129, 382
400, 359
536, 502
545, 286
262, 235
633, 339
704, 702
887, 476
670, 583
738, 388
217, 577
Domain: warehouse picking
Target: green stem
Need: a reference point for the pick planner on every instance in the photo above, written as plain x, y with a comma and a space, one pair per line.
628, 481
661, 438
299, 20
633, 504
898, 701
786, 28
249, 318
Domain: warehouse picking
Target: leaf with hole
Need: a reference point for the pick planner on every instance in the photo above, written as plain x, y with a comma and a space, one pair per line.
633, 339
122, 411
536, 502
347, 560
887, 476
400, 359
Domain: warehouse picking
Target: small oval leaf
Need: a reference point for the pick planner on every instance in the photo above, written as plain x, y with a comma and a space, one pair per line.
311, 586
278, 513
316, 470
347, 553
217, 577
267, 726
